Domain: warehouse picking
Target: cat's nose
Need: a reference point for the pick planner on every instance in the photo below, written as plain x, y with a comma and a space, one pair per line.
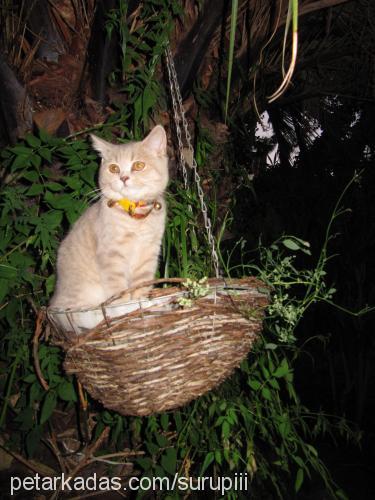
124, 178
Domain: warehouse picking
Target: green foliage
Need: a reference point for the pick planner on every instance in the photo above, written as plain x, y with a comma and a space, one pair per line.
184, 247
232, 36
292, 290
47, 183
141, 48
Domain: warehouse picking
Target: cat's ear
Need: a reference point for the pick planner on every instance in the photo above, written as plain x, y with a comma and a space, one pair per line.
156, 141
103, 147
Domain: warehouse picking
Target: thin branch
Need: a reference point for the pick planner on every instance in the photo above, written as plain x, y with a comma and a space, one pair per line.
87, 458
121, 454
38, 332
41, 469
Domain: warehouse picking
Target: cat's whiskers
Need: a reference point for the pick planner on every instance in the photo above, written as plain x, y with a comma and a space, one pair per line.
95, 198
91, 197
94, 191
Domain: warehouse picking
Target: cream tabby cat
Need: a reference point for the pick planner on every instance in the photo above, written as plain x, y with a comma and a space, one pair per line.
115, 244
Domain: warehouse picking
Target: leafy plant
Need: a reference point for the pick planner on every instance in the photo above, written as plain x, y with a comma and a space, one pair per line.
141, 48
39, 197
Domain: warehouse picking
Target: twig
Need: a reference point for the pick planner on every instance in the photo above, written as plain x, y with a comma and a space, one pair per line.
129, 453
32, 303
96, 493
38, 331
87, 458
41, 469
89, 452
51, 443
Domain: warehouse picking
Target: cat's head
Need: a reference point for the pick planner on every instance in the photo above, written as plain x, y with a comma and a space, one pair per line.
136, 170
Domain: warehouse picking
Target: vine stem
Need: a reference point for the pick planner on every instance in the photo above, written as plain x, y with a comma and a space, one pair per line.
335, 213
9, 388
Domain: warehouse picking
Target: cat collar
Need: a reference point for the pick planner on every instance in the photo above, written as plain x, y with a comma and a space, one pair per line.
131, 206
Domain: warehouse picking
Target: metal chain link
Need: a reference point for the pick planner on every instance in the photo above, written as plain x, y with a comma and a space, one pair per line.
179, 117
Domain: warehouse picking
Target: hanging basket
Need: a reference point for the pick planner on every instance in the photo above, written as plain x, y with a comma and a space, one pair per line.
153, 355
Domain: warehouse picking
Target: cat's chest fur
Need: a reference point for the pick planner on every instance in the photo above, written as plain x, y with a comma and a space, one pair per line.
118, 233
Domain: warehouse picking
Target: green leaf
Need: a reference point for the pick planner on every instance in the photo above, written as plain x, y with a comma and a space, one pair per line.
117, 430
299, 461
299, 480
282, 370
50, 284
291, 244
68, 151
32, 141
21, 150
33, 439
178, 420
169, 460
274, 383
7, 272
26, 418
225, 429
207, 462
66, 391
218, 457
266, 393
194, 437
31, 176
107, 417
312, 449
54, 186
46, 154
45, 136
36, 394
144, 462
270, 346
49, 404
152, 448
341, 494
35, 190
148, 101
284, 428
62, 201
164, 420
73, 182
21, 161
161, 440
53, 219
36, 160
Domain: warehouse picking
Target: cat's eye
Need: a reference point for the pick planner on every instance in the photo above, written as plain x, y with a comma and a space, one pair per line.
138, 165
115, 169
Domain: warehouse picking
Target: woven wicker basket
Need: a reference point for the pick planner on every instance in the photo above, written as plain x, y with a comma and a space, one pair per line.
161, 356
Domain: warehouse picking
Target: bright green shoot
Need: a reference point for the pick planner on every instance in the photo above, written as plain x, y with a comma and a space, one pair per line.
232, 36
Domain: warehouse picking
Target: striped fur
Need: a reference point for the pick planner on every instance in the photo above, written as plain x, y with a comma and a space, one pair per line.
107, 251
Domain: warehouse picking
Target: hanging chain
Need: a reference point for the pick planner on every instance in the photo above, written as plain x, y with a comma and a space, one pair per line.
179, 117
174, 94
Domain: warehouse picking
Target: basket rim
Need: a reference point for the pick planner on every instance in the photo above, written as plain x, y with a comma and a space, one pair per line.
60, 310
214, 283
